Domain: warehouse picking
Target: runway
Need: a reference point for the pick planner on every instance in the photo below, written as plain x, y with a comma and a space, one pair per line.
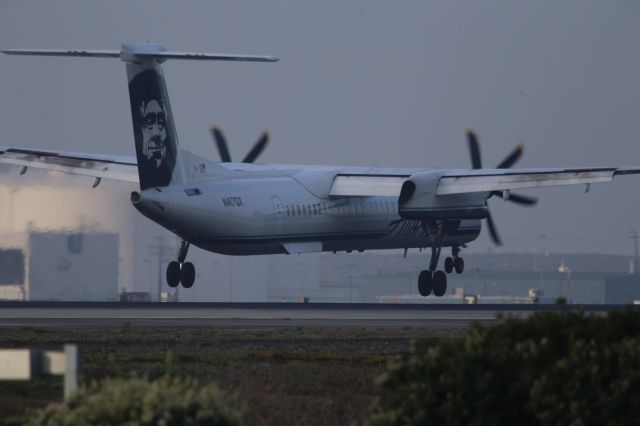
261, 315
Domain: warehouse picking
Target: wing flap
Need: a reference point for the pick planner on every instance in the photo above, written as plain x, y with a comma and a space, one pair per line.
103, 166
366, 185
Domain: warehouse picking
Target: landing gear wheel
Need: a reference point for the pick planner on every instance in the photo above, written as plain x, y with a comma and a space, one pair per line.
439, 283
425, 283
187, 274
458, 264
448, 265
173, 274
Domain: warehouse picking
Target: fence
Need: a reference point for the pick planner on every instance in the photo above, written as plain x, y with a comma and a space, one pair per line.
27, 364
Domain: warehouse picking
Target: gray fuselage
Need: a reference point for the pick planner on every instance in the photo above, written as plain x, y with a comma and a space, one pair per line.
267, 209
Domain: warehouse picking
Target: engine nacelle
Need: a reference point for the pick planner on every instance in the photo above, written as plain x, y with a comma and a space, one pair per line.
418, 200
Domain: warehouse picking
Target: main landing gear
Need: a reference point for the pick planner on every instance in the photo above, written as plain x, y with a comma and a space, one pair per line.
181, 271
432, 280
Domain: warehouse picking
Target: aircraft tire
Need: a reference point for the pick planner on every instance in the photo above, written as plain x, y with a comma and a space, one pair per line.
448, 265
458, 264
173, 274
187, 275
425, 283
439, 283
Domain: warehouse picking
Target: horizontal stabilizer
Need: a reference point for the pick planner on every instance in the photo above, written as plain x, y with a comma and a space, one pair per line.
64, 52
141, 52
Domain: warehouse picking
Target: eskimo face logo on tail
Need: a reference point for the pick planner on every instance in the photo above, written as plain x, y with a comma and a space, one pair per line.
153, 129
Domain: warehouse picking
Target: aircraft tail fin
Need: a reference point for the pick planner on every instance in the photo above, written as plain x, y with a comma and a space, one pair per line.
156, 141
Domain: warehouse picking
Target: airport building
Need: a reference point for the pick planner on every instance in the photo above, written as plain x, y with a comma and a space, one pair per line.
59, 266
64, 241
496, 278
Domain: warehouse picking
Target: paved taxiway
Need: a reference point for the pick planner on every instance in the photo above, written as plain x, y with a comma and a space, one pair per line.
252, 315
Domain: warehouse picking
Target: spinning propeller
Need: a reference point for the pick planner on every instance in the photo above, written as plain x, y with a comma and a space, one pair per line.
221, 143
510, 160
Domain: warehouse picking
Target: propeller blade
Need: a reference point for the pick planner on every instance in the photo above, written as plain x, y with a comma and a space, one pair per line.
221, 143
493, 232
474, 149
512, 158
522, 199
257, 148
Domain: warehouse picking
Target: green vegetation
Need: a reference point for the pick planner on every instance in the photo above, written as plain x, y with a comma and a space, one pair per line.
139, 402
553, 368
295, 376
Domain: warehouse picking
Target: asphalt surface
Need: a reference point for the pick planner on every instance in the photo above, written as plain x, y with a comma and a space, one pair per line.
261, 315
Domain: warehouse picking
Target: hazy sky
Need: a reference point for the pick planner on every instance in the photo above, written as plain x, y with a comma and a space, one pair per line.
388, 83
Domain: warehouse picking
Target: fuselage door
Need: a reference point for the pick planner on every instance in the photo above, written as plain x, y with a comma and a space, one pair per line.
278, 209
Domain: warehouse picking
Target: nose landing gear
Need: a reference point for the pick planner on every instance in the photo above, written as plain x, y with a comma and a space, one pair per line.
181, 271
454, 262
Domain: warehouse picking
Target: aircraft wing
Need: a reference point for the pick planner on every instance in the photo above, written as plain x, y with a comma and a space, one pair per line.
460, 181
115, 167
487, 180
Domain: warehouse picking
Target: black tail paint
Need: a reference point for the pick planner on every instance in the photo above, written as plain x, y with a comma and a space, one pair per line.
153, 128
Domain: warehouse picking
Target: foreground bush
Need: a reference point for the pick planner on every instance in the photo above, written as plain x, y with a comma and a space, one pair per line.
140, 402
553, 368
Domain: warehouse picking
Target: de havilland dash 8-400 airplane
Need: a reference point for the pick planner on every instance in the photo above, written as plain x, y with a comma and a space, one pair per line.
244, 208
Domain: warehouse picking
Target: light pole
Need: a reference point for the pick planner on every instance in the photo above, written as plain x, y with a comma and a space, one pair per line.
230, 279
634, 237
564, 269
350, 288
